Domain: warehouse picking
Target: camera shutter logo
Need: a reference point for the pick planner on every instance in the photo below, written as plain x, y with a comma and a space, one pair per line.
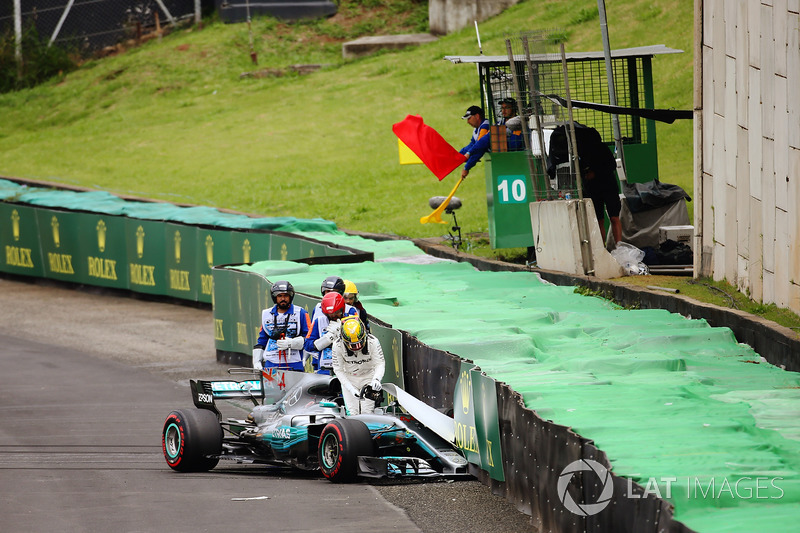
585, 509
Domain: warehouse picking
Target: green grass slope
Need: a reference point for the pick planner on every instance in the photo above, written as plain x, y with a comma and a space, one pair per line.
174, 120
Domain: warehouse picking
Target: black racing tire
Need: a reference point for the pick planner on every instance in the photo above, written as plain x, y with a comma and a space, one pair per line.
189, 437
340, 444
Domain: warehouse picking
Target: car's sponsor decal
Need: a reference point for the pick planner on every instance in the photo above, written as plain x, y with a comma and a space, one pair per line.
235, 386
282, 432
205, 398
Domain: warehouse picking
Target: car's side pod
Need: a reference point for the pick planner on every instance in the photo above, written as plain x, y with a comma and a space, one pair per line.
203, 397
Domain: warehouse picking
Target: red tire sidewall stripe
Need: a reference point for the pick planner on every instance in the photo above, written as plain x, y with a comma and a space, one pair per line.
338, 466
179, 423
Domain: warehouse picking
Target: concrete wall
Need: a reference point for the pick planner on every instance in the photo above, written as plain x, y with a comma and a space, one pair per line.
747, 146
447, 16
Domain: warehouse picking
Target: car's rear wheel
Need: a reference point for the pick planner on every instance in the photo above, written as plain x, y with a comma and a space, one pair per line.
189, 437
340, 444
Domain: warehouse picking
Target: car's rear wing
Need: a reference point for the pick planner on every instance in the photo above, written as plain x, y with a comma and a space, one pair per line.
205, 392
268, 386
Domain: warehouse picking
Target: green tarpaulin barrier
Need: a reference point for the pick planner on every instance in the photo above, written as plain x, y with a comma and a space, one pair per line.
679, 407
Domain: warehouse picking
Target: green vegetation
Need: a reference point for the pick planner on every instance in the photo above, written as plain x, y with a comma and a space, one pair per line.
40, 62
719, 293
174, 120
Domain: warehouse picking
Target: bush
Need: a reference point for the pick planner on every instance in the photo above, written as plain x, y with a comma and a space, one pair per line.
39, 61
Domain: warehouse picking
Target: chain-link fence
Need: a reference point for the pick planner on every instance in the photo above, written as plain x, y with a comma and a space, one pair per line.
538, 83
86, 26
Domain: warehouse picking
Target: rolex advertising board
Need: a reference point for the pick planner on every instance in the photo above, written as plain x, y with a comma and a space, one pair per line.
19, 238
313, 249
484, 394
392, 345
284, 248
147, 271
103, 249
477, 427
215, 249
247, 308
180, 253
224, 319
249, 247
60, 242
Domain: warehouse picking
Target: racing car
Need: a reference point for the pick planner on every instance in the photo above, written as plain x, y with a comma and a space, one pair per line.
306, 428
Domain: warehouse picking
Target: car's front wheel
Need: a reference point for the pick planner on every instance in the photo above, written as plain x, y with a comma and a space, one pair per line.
189, 437
340, 444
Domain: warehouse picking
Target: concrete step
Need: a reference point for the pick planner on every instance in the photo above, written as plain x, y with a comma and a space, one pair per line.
368, 45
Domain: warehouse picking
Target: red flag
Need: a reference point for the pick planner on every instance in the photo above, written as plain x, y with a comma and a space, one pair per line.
428, 145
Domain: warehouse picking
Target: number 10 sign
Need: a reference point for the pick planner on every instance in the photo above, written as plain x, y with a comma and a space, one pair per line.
512, 189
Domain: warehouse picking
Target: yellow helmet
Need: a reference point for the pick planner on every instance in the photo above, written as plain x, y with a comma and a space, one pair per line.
354, 334
350, 291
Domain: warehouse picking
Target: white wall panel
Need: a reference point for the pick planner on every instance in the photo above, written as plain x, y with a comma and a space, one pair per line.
730, 233
708, 123
781, 154
753, 23
708, 222
767, 51
768, 204
756, 249
794, 216
754, 151
793, 79
779, 29
719, 262
751, 147
718, 62
742, 274
719, 197
781, 258
729, 14
730, 121
742, 60
794, 298
768, 292
742, 174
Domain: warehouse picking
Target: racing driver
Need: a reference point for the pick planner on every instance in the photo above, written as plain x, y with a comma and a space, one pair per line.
357, 362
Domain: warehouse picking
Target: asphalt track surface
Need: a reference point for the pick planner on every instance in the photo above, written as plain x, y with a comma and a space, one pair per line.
86, 381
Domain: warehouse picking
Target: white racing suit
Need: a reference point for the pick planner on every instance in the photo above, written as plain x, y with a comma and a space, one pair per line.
356, 369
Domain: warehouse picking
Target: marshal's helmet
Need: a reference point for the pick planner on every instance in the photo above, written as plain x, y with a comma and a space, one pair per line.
332, 283
332, 302
281, 287
350, 292
354, 334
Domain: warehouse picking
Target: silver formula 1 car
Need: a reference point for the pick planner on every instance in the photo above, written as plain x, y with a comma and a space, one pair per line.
306, 428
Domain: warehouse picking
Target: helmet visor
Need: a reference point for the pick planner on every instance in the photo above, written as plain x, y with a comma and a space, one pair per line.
354, 346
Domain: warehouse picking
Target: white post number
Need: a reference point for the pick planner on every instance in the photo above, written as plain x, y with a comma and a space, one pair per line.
512, 189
